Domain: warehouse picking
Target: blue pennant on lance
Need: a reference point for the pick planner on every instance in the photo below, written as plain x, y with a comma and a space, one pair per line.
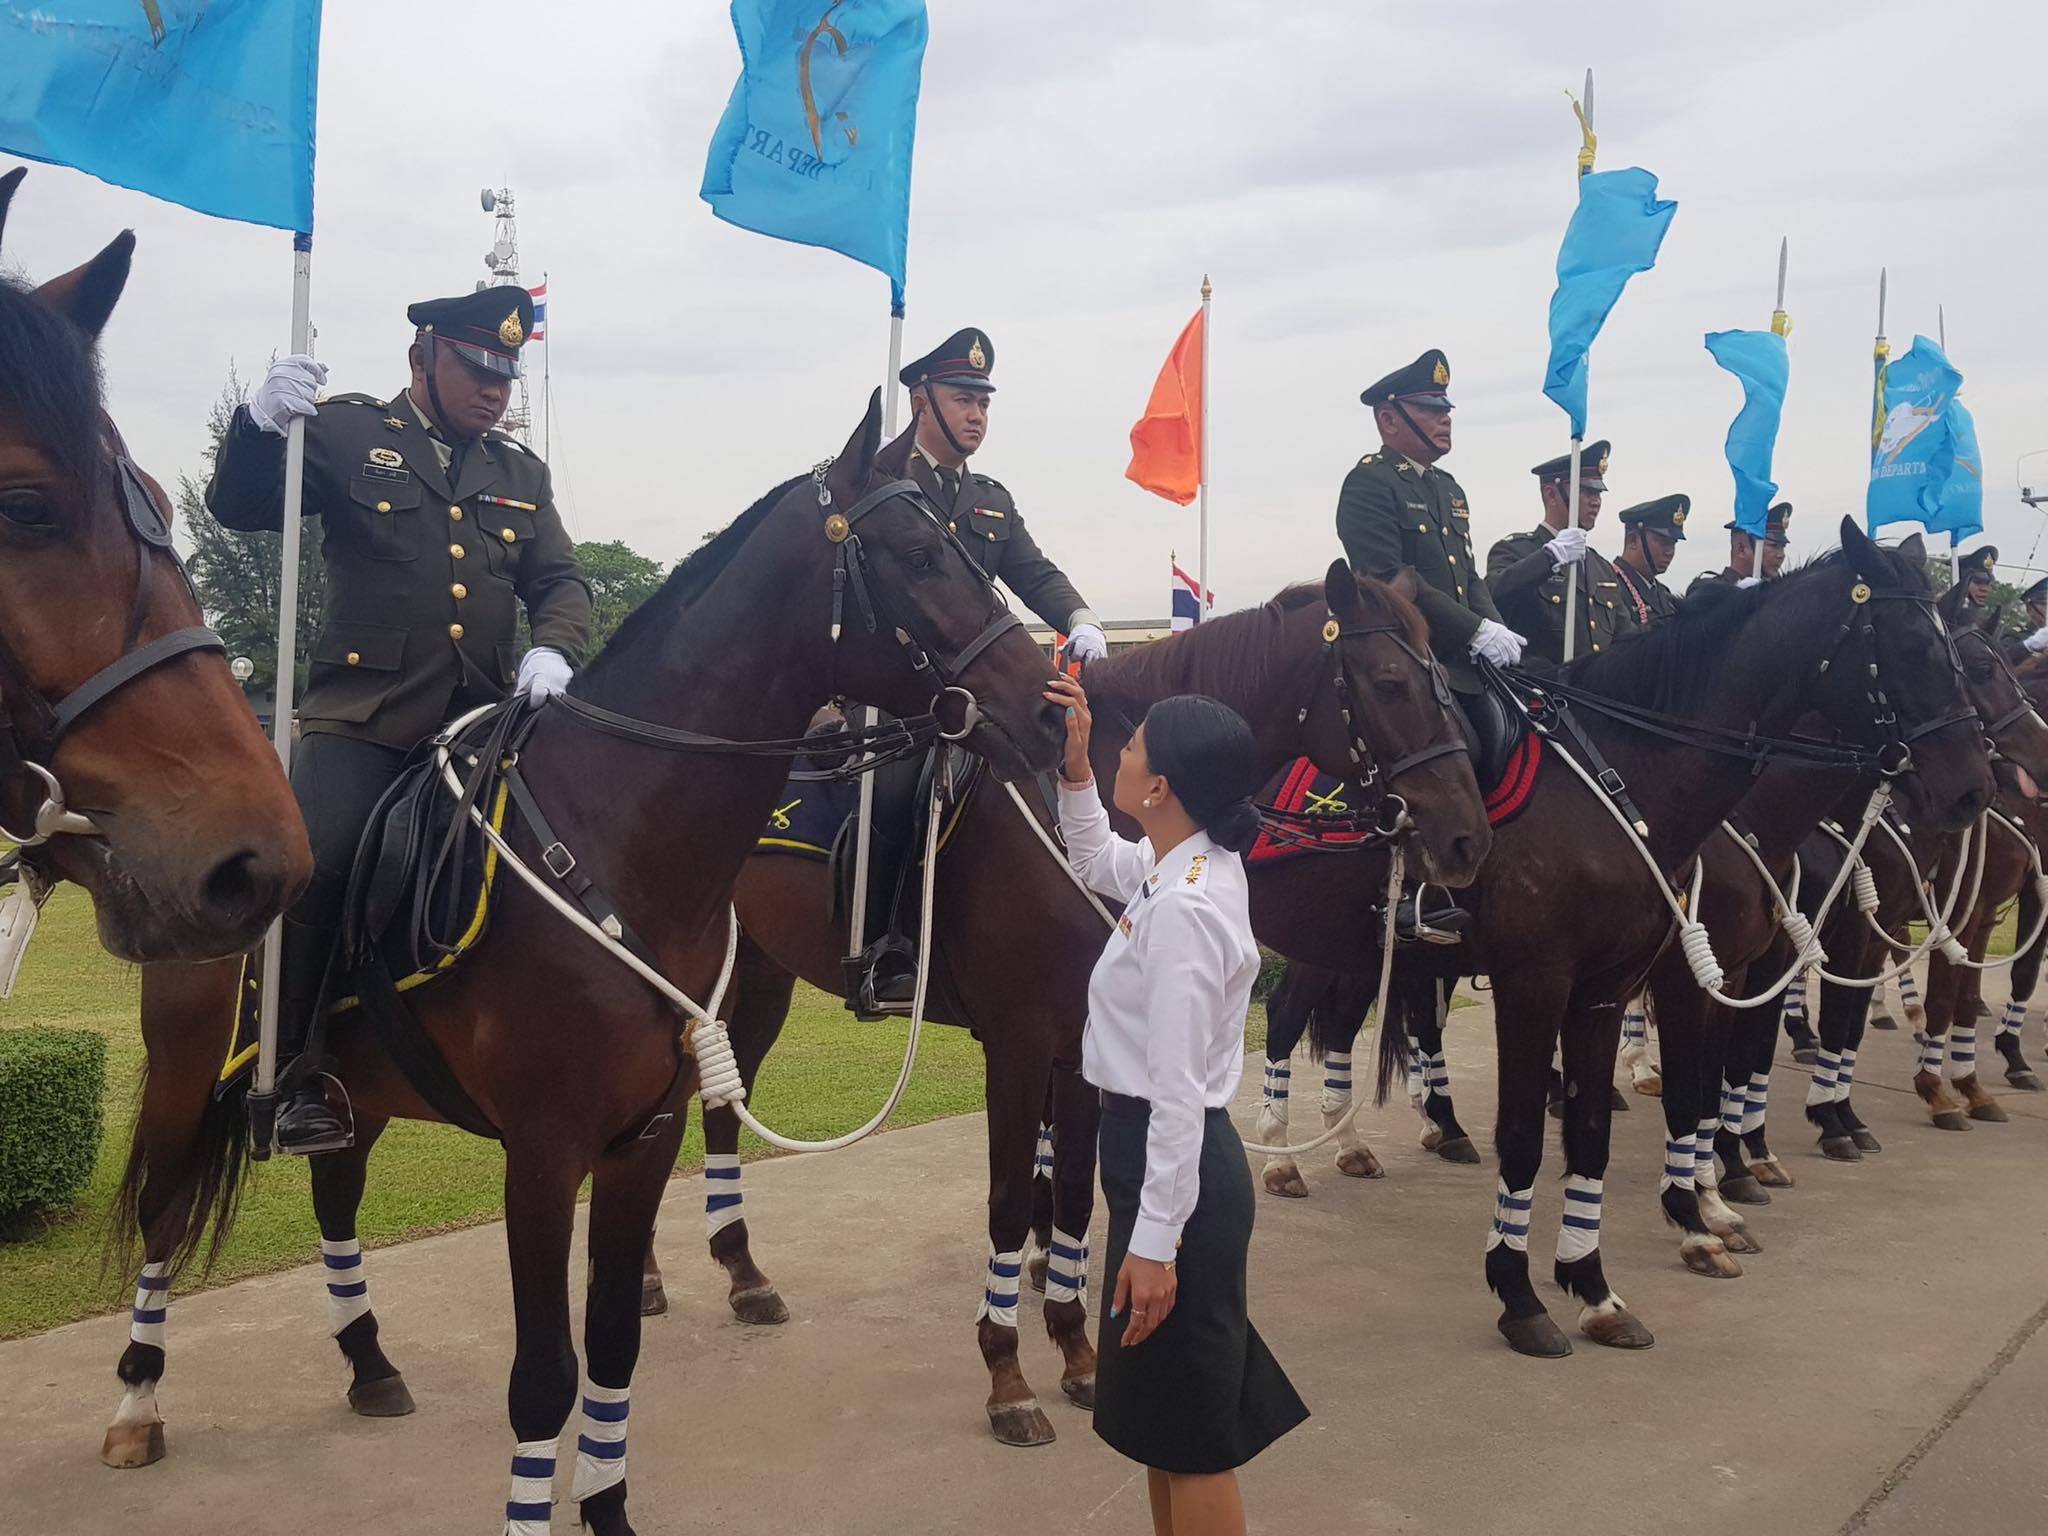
815, 144
205, 103
1615, 232
1759, 360
1924, 465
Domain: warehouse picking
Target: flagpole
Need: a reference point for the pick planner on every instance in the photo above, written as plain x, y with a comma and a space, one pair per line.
287, 675
1202, 473
1571, 513
547, 389
889, 395
1781, 323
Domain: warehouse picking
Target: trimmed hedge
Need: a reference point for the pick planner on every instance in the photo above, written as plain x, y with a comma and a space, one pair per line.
51, 1085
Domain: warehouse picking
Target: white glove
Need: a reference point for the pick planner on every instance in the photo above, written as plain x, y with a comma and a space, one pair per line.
288, 390
1569, 546
1087, 643
543, 671
1497, 643
2037, 642
1747, 582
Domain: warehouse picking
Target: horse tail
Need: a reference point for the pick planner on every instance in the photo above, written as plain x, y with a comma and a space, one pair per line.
2026, 969
210, 1194
1340, 1013
1394, 1053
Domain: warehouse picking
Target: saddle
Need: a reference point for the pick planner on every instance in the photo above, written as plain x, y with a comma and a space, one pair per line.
1494, 728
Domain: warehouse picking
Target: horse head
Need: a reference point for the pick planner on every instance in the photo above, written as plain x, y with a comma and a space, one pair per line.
2012, 724
129, 760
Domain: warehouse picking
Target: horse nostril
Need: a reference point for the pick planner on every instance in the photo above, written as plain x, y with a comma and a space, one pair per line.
240, 884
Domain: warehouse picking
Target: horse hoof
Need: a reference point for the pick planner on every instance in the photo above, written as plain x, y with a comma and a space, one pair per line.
1020, 1424
1951, 1120
1432, 1137
1738, 1240
1806, 1055
759, 1304
1285, 1180
1458, 1149
2027, 1081
1080, 1391
1771, 1173
1616, 1327
1864, 1140
1883, 1021
1990, 1111
1650, 1087
133, 1445
653, 1297
1842, 1149
1746, 1190
1716, 1263
1358, 1163
1035, 1267
385, 1399
1536, 1336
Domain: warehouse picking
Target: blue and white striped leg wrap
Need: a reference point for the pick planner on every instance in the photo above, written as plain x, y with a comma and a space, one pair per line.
1962, 1051
1795, 1000
1635, 1026
1041, 1163
1703, 1174
1845, 1076
1279, 1077
1678, 1165
601, 1440
1066, 1268
1933, 1050
348, 1293
1909, 990
1336, 1081
1579, 1234
999, 1295
724, 1201
2014, 1020
1733, 1103
1418, 1071
1756, 1103
530, 1505
1511, 1218
152, 1302
1436, 1076
1821, 1090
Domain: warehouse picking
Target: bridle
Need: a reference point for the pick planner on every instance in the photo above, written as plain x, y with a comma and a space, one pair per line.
29, 751
1895, 749
2019, 711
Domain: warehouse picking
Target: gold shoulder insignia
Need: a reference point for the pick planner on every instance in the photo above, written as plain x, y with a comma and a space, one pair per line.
1198, 866
1370, 458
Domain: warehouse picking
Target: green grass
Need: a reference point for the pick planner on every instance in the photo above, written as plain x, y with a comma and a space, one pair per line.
828, 1074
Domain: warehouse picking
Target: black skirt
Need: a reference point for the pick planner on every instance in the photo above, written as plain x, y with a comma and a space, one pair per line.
1203, 1393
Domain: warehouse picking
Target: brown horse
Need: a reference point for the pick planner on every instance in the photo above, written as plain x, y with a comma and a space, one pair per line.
129, 760
1335, 672
655, 780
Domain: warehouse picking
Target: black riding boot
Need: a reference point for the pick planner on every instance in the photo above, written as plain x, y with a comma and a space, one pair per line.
306, 1124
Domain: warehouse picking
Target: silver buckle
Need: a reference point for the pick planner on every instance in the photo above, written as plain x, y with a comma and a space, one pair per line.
558, 859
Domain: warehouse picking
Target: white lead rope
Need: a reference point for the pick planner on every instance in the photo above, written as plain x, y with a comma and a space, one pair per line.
1999, 818
1867, 901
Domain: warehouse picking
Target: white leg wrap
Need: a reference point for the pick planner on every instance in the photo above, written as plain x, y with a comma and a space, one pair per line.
1678, 1165
1909, 990
1336, 1081
1511, 1218
999, 1295
601, 1440
724, 1202
348, 1293
530, 1505
1272, 1122
2014, 1021
1703, 1175
1579, 1234
1962, 1050
1733, 1102
1041, 1163
1635, 1028
1821, 1090
1436, 1076
1756, 1103
1932, 1052
1795, 1000
1845, 1076
152, 1302
1066, 1268
1418, 1075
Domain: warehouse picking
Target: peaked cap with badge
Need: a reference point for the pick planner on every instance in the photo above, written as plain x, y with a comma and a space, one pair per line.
1776, 523
431, 545
1665, 515
963, 359
1592, 467
1396, 513
1530, 587
1980, 564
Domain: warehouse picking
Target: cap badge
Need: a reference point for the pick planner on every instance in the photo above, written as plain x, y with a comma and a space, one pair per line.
1678, 517
1442, 375
510, 331
976, 356
1601, 468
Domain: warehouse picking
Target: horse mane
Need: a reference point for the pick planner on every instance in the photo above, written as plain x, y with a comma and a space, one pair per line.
49, 378
689, 579
1667, 667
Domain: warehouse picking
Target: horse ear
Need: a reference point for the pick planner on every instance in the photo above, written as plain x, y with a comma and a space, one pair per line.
1913, 550
894, 460
7, 185
856, 461
87, 295
1340, 588
1856, 545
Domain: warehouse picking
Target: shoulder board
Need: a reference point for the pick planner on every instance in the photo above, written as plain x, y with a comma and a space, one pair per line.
1370, 458
510, 441
356, 398
1197, 870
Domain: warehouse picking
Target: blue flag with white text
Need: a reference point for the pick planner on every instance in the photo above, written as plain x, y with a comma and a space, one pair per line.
816, 140
1759, 360
207, 103
1614, 233
1924, 466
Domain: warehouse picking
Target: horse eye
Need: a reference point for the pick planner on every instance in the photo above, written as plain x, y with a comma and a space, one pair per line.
28, 509
920, 558
1392, 689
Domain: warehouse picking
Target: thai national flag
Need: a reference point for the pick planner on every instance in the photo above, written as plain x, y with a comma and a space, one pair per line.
1187, 606
540, 313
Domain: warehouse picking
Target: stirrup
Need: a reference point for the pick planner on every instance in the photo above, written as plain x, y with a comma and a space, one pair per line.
865, 980
340, 1139
1442, 925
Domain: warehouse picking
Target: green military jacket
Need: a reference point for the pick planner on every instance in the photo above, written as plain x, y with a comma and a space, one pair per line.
1728, 576
424, 578
1530, 588
1394, 512
1646, 597
982, 512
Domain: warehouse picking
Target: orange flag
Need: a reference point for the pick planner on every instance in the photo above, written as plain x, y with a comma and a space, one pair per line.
1166, 445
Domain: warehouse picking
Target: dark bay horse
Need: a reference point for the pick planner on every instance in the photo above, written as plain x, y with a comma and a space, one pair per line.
1319, 670
130, 762
565, 1052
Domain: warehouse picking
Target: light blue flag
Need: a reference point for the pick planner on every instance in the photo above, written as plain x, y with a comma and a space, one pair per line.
1924, 466
208, 103
1614, 234
815, 143
1757, 358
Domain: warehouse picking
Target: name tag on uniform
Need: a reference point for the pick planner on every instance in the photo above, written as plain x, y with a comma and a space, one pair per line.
377, 471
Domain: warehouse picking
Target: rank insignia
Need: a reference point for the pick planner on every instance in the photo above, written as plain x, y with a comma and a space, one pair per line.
1196, 868
390, 458
394, 423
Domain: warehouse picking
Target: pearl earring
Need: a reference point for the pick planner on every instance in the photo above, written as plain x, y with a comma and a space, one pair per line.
1148, 802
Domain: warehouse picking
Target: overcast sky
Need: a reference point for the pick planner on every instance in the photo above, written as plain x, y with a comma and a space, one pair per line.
1360, 181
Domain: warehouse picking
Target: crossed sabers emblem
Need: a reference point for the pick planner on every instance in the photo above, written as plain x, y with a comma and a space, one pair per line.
779, 817
1332, 804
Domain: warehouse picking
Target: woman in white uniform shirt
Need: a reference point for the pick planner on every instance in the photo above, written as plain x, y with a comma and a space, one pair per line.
1184, 1384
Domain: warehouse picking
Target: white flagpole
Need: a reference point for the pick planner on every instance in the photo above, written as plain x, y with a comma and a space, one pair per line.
857, 920
1202, 473
1571, 512
287, 661
889, 400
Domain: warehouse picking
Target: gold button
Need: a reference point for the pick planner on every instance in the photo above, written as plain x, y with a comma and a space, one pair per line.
454, 631
455, 550
1555, 598
1452, 558
355, 658
1422, 527
952, 527
459, 590
510, 535
455, 514
383, 506
1596, 645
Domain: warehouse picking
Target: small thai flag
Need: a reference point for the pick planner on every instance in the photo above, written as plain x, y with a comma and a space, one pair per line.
1187, 606
540, 313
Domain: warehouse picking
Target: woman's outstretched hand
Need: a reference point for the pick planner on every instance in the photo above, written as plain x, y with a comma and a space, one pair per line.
1068, 691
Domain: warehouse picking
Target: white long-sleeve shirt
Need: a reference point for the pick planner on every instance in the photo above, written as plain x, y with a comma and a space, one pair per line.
1167, 1001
